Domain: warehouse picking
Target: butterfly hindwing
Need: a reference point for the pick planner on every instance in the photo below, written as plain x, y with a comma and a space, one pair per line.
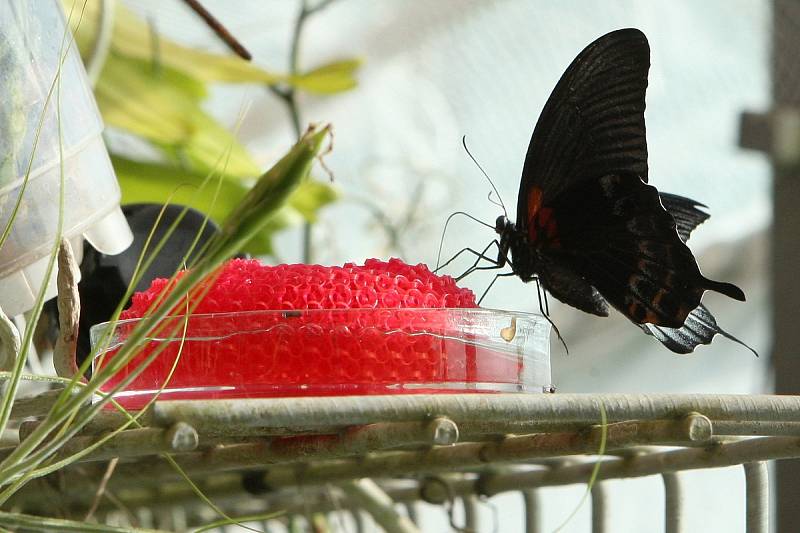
593, 122
616, 234
700, 327
684, 211
571, 288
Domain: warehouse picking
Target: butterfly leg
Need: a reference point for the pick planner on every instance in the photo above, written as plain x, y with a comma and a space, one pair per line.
492, 283
545, 310
539, 294
479, 255
493, 266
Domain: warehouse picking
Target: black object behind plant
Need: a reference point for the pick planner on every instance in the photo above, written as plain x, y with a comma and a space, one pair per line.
105, 278
589, 227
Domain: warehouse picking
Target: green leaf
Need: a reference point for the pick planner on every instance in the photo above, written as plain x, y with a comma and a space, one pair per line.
42, 523
132, 38
163, 106
330, 78
157, 183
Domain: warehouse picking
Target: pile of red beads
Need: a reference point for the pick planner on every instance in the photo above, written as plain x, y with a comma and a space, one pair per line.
307, 329
247, 285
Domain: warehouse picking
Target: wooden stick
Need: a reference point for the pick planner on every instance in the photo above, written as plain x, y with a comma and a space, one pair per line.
221, 31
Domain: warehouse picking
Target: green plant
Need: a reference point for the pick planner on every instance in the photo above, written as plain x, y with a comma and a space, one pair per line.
154, 89
245, 216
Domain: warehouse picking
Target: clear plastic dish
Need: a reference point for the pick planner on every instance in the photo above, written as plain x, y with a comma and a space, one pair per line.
333, 352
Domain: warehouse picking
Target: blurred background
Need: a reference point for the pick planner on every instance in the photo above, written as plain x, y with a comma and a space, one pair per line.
406, 80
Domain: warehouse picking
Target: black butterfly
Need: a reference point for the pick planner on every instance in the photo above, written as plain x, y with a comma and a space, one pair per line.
589, 228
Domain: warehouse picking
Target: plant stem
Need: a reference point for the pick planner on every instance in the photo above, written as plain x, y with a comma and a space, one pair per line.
289, 97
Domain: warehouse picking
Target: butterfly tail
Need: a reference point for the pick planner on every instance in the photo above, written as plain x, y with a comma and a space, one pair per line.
699, 328
728, 289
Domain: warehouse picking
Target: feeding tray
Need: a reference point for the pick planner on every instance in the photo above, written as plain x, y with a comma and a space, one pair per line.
331, 352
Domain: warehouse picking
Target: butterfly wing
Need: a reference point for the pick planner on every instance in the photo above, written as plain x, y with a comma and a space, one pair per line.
700, 327
584, 203
592, 124
616, 234
685, 212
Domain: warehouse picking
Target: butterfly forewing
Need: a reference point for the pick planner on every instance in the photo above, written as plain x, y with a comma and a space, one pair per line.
592, 124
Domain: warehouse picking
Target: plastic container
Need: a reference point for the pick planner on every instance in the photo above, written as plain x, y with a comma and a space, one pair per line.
32, 40
333, 352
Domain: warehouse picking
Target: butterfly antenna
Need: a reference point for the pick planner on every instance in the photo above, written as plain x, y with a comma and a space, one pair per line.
444, 231
464, 142
495, 202
546, 314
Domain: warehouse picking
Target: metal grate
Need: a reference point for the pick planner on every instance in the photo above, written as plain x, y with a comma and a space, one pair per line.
370, 453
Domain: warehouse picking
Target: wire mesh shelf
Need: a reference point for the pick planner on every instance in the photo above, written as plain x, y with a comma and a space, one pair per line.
372, 452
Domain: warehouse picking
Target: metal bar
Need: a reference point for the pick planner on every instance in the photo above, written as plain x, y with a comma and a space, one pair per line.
361, 439
583, 409
756, 478
38, 405
470, 504
358, 521
599, 517
367, 494
382, 464
673, 503
533, 509
412, 511
132, 443
720, 455
757, 428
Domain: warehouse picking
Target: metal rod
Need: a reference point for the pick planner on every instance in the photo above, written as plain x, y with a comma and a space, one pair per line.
756, 478
133, 443
412, 511
382, 464
599, 516
37, 406
360, 439
470, 504
358, 521
533, 509
673, 503
757, 428
580, 409
367, 494
719, 455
